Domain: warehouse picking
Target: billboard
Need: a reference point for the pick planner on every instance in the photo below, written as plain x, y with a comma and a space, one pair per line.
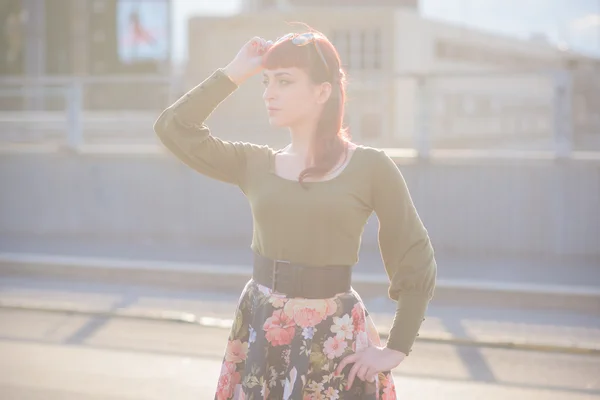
142, 31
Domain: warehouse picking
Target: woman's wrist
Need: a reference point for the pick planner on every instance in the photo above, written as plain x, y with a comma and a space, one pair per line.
397, 353
233, 74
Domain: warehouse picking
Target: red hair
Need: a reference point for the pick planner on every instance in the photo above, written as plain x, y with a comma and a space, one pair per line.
331, 138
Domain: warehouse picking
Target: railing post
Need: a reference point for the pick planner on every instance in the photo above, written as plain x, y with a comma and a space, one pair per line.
74, 115
563, 121
422, 139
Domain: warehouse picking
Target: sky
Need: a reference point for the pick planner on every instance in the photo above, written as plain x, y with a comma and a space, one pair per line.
574, 24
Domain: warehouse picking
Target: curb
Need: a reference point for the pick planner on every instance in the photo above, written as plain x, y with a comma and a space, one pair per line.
172, 316
191, 276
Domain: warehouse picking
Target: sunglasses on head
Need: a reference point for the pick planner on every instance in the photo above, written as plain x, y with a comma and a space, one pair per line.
304, 39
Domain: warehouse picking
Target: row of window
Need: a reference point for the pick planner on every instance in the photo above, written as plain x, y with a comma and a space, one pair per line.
359, 49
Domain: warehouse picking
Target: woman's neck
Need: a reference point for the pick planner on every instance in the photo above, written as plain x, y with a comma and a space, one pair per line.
302, 136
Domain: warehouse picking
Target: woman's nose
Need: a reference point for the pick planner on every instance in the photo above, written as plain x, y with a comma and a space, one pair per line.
268, 94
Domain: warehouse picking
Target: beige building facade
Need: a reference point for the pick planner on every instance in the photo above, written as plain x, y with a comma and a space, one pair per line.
409, 77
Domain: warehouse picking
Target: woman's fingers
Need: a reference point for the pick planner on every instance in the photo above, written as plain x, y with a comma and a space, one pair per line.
347, 360
352, 374
257, 44
370, 375
362, 368
362, 372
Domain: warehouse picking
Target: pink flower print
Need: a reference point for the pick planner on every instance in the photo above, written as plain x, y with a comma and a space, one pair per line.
361, 342
358, 318
372, 332
228, 379
279, 329
317, 396
277, 301
309, 312
264, 290
286, 356
343, 327
389, 390
334, 347
315, 386
332, 394
236, 351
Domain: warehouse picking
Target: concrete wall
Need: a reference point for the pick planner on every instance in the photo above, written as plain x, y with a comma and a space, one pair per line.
486, 206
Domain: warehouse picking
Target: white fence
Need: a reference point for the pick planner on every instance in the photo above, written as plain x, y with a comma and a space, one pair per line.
71, 111
547, 111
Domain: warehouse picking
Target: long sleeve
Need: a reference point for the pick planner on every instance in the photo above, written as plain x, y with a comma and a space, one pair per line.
406, 252
182, 130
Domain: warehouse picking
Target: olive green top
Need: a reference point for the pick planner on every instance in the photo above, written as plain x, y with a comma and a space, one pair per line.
321, 225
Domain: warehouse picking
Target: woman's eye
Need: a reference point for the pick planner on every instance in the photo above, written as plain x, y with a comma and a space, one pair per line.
282, 82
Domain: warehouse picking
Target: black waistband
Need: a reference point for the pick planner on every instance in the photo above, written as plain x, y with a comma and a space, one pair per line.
297, 280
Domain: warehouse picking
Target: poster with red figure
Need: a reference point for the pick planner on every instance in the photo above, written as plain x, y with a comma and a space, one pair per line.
143, 30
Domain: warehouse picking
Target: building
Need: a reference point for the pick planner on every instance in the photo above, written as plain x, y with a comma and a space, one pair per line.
476, 87
88, 38
287, 5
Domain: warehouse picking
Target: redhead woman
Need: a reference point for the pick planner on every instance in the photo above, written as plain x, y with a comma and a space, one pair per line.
300, 330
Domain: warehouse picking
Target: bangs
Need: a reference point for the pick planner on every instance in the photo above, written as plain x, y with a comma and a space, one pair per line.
288, 55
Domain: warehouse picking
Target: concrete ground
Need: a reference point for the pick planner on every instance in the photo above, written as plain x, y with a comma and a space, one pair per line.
147, 321
459, 323
53, 356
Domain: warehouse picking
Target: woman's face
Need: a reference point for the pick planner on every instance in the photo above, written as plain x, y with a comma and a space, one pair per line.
290, 96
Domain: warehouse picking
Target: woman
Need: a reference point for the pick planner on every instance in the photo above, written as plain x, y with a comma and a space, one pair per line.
300, 331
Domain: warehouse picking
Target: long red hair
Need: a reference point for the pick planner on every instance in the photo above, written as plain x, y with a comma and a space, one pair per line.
331, 137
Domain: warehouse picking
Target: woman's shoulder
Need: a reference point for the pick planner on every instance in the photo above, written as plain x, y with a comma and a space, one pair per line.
254, 155
253, 150
370, 154
379, 162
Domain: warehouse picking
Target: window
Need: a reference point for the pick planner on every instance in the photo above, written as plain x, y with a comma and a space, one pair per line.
359, 50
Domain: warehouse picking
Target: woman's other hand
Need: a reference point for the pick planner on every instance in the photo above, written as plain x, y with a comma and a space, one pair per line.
369, 362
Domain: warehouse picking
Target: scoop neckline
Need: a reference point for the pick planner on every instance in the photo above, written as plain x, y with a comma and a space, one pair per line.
342, 172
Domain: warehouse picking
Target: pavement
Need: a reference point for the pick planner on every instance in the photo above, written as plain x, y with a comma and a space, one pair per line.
57, 356
466, 324
553, 284
545, 305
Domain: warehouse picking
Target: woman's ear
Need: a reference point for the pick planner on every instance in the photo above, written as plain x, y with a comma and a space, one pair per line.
324, 92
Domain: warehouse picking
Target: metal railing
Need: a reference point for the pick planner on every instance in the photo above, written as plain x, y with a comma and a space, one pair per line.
67, 110
539, 106
523, 106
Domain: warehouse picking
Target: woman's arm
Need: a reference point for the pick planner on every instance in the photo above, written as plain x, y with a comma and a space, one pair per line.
181, 126
406, 251
182, 130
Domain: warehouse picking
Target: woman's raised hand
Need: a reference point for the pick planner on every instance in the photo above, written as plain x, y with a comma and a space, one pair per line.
248, 60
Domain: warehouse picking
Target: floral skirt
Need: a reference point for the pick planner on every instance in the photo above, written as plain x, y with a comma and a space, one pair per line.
288, 348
